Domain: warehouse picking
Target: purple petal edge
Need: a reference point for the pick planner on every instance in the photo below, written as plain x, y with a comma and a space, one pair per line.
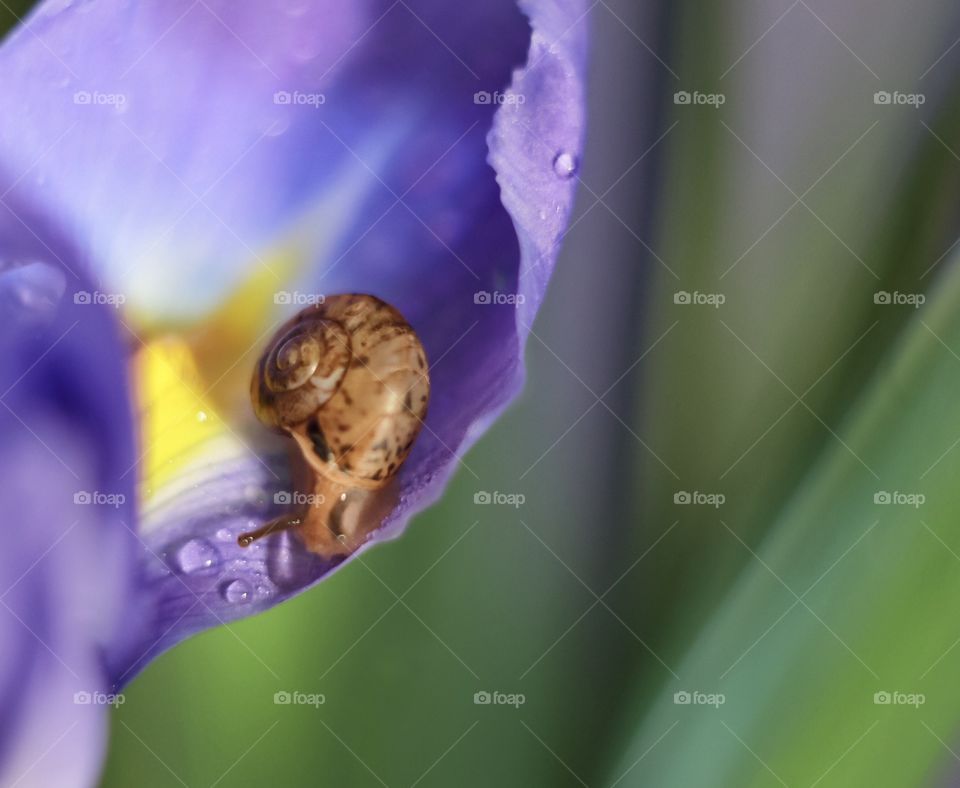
197, 574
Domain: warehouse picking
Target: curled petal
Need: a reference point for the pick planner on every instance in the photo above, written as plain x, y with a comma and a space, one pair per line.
424, 152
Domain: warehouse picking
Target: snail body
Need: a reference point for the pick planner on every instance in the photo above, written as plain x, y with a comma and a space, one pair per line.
347, 379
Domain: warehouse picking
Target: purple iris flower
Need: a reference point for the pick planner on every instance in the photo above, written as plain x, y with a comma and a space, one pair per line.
157, 157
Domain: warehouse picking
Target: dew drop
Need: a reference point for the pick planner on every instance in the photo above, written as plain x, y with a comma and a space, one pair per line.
236, 591
197, 555
289, 565
201, 416
30, 291
565, 165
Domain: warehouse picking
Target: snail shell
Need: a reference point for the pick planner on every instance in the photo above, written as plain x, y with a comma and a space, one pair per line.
348, 380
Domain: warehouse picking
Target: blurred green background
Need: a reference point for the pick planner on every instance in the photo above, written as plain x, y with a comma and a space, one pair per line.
826, 582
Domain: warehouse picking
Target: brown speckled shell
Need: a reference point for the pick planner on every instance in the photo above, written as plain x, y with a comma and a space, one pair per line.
357, 426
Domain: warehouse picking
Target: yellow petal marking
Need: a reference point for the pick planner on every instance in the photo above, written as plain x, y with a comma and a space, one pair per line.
192, 388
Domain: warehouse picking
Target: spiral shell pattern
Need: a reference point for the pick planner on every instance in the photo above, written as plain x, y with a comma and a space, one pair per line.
348, 379
302, 368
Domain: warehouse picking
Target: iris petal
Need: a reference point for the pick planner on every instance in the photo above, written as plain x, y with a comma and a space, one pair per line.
67, 567
378, 147
178, 140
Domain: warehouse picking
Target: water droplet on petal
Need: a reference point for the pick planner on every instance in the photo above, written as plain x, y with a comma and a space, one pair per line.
197, 555
236, 591
565, 165
290, 565
30, 291
201, 416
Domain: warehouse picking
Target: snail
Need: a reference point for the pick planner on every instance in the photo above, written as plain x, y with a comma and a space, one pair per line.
347, 379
